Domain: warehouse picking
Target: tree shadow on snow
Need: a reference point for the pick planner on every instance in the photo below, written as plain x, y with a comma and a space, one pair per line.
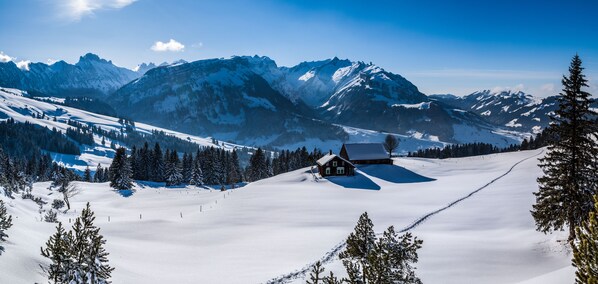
125, 192
394, 174
358, 181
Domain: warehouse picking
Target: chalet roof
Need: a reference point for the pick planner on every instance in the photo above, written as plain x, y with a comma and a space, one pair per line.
366, 151
328, 157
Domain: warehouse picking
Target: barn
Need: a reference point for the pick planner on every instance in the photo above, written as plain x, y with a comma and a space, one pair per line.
333, 165
365, 153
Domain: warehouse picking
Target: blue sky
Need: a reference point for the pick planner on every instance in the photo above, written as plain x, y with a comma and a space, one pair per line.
441, 46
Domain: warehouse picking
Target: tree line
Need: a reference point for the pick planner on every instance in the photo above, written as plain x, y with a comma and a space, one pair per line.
479, 148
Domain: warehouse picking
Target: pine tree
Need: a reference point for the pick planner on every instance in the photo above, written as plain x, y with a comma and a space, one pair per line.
58, 252
157, 165
5, 224
196, 174
392, 258
315, 274
87, 175
570, 172
120, 171
173, 169
79, 255
585, 250
99, 174
360, 244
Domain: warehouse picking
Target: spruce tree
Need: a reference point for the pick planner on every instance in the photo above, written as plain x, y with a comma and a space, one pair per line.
585, 250
315, 275
87, 175
173, 169
570, 172
120, 171
58, 252
5, 224
360, 245
79, 255
196, 174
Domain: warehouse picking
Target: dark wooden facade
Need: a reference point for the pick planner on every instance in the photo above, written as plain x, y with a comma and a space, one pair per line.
335, 166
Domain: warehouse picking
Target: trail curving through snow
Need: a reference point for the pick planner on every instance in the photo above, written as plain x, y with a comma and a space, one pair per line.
285, 278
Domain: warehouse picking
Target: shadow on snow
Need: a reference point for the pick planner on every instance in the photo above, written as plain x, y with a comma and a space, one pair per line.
393, 173
358, 181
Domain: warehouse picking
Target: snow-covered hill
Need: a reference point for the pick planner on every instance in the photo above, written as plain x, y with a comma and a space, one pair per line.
279, 225
13, 104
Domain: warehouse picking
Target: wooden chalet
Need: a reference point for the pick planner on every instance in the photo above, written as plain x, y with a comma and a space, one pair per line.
365, 153
333, 165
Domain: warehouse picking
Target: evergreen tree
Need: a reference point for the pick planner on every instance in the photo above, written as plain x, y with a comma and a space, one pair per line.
99, 174
173, 169
87, 175
120, 171
585, 250
5, 224
570, 172
58, 252
79, 255
157, 165
392, 259
196, 174
315, 274
360, 244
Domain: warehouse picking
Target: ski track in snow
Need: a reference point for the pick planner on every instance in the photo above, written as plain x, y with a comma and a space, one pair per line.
329, 256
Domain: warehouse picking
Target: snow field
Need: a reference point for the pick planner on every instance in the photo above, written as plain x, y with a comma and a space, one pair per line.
276, 226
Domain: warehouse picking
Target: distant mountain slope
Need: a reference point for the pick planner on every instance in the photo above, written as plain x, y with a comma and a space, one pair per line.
223, 97
91, 76
252, 101
517, 111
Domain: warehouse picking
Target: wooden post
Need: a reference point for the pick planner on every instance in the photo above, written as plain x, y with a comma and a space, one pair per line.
181, 214
139, 216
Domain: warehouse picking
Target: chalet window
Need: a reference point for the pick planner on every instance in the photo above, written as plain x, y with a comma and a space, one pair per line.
334, 163
340, 171
327, 171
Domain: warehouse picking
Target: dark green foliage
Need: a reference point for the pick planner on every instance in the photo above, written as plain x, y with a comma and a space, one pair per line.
120, 171
258, 167
5, 224
79, 255
388, 259
58, 252
315, 275
570, 172
25, 140
287, 161
89, 104
87, 175
360, 245
585, 249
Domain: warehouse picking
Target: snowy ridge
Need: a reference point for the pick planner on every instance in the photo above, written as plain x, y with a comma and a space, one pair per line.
15, 105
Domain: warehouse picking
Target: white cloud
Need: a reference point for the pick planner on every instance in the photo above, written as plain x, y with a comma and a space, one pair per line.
4, 57
24, 65
171, 45
547, 87
74, 10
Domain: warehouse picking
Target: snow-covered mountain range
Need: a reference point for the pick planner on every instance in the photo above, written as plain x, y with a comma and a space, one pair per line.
515, 110
90, 76
253, 101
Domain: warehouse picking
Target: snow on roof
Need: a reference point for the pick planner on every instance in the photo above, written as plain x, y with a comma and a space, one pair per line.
328, 157
366, 151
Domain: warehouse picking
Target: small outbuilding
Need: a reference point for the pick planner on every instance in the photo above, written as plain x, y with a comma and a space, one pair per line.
333, 165
365, 153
